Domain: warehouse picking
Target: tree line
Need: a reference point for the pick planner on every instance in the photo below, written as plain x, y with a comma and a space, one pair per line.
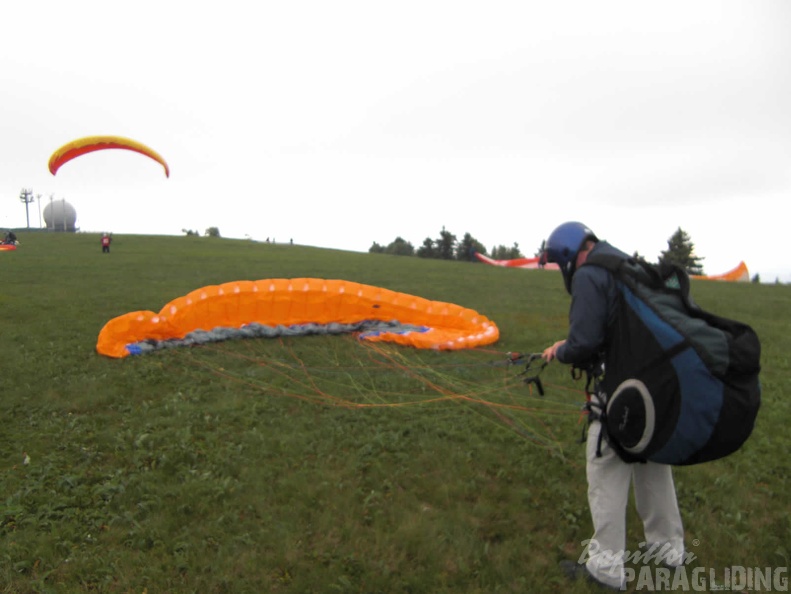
680, 250
446, 247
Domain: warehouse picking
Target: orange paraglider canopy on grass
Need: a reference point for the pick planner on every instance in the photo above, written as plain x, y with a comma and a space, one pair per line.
276, 307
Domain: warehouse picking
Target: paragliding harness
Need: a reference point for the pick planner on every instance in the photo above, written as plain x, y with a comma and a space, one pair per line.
595, 399
678, 385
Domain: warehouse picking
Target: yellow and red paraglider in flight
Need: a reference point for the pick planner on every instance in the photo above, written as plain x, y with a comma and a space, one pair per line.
90, 144
299, 306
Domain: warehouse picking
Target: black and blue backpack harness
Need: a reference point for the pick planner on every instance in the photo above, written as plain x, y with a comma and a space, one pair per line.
677, 384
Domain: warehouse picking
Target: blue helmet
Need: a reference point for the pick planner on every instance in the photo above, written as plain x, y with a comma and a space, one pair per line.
563, 246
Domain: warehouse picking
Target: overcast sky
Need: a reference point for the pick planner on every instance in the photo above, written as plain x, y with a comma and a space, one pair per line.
343, 123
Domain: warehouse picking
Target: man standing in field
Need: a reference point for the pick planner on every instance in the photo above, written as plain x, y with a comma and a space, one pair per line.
594, 303
106, 241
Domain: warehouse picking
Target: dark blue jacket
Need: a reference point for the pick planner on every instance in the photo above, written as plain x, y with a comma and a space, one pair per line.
594, 299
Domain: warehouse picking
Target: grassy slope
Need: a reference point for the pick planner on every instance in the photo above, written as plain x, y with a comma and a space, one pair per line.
154, 473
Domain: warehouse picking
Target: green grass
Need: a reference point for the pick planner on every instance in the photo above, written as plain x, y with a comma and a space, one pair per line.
320, 464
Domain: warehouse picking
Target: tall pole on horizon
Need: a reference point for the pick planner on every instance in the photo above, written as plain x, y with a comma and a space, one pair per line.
26, 196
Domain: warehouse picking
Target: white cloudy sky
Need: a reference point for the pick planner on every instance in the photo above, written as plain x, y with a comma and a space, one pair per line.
342, 123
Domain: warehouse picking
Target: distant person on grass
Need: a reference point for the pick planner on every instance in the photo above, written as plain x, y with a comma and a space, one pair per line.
594, 304
106, 241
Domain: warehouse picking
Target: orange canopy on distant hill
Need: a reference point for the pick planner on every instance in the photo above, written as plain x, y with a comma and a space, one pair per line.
529, 263
739, 274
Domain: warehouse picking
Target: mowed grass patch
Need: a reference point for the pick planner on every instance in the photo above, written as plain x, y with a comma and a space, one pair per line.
319, 464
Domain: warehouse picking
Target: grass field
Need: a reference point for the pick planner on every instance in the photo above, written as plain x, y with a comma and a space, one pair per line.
322, 464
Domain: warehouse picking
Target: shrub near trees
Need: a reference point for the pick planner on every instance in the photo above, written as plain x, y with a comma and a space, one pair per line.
399, 247
210, 232
512, 253
680, 250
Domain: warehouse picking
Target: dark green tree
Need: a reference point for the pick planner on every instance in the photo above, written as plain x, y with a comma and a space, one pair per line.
446, 245
427, 250
212, 232
400, 247
466, 248
681, 251
376, 249
503, 253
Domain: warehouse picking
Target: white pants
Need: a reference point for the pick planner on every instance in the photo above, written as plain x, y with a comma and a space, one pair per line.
609, 479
